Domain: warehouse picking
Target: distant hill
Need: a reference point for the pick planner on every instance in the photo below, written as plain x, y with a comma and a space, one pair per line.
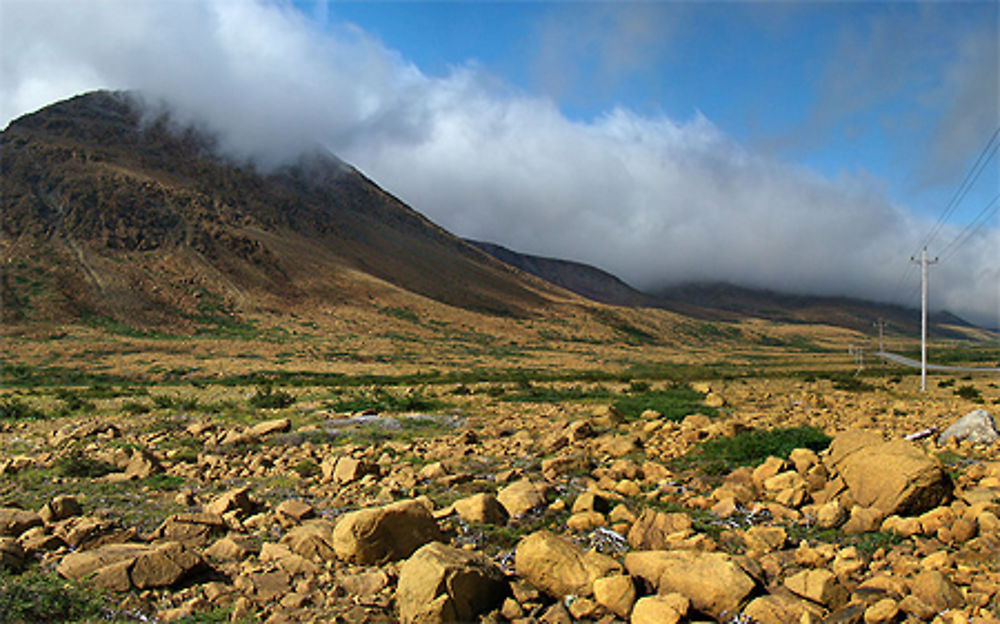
583, 279
108, 213
727, 302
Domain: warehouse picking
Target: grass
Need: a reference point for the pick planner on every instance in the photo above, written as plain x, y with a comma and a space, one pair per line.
548, 394
266, 397
15, 409
36, 596
722, 455
673, 403
381, 400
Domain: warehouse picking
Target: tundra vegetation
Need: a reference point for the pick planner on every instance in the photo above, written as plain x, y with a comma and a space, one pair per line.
630, 476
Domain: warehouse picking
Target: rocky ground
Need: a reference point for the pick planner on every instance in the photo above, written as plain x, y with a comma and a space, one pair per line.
515, 512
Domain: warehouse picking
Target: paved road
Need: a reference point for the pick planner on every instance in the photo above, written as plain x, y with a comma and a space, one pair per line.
905, 361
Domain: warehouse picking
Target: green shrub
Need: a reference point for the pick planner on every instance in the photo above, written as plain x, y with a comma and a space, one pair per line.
306, 468
753, 447
382, 400
969, 393
46, 597
674, 403
135, 407
15, 409
849, 383
76, 464
638, 386
267, 397
73, 402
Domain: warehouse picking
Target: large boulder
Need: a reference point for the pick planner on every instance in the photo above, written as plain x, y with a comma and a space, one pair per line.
439, 584
894, 477
977, 426
380, 534
559, 567
712, 581
120, 567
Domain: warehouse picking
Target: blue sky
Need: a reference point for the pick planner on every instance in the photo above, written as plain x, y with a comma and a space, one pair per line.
853, 87
803, 147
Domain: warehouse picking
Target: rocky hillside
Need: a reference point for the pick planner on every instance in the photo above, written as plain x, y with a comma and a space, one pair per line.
110, 211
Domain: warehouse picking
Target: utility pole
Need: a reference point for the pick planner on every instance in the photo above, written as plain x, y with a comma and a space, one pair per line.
881, 327
924, 262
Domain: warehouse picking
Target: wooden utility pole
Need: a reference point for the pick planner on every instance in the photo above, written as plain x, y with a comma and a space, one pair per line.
924, 263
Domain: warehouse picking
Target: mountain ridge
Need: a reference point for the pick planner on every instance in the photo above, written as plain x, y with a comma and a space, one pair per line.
127, 207
721, 301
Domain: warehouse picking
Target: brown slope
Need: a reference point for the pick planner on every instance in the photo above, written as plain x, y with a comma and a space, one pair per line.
105, 212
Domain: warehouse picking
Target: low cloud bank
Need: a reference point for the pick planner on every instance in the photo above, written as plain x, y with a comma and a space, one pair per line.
653, 200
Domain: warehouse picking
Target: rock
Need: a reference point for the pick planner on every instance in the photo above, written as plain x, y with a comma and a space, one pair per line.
313, 539
439, 584
191, 528
771, 466
585, 521
616, 594
712, 581
820, 586
522, 496
379, 534
237, 499
863, 520
559, 567
482, 508
163, 565
934, 589
782, 607
764, 539
714, 400
917, 607
118, 567
591, 501
295, 510
830, 515
60, 508
230, 549
11, 554
660, 609
977, 427
142, 464
268, 427
652, 529
895, 477
364, 583
884, 610
15, 521
349, 470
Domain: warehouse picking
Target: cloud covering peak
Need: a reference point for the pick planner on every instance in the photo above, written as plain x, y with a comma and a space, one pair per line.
653, 199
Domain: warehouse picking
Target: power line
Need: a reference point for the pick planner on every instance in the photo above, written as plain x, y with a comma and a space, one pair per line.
963, 189
970, 230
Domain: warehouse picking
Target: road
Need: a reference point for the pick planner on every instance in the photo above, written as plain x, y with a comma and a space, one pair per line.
905, 361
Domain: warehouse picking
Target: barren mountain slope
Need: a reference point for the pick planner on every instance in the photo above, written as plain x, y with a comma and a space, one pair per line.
107, 211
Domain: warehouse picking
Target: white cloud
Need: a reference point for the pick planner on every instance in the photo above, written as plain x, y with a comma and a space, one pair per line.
654, 200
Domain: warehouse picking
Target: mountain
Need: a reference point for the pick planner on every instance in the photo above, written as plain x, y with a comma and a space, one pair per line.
111, 211
718, 301
583, 279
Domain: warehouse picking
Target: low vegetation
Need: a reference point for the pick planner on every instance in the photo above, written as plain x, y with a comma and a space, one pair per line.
750, 448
